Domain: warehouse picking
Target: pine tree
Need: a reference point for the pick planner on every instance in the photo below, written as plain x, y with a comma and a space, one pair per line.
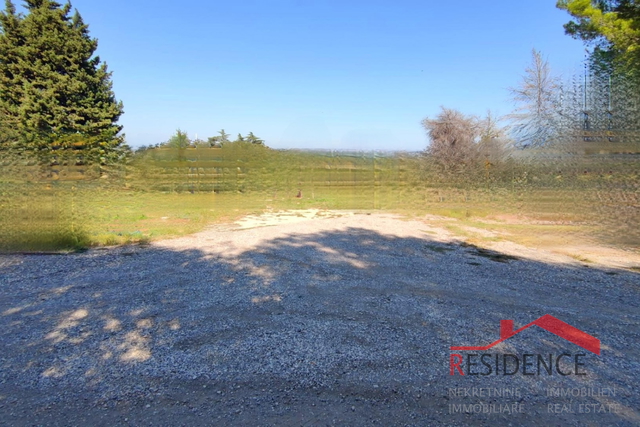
180, 140
219, 141
254, 139
613, 26
54, 91
224, 137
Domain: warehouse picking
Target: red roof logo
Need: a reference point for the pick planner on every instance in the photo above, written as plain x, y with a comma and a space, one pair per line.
548, 323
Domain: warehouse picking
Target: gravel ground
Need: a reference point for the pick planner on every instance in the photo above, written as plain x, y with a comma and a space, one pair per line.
344, 320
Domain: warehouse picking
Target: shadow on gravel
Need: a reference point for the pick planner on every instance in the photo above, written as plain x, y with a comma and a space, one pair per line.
340, 327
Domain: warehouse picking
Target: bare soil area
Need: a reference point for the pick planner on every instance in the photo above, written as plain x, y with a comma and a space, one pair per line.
314, 318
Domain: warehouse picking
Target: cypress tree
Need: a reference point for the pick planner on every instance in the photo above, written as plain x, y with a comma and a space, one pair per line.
53, 91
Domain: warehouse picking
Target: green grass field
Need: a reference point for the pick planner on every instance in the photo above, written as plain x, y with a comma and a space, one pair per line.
585, 197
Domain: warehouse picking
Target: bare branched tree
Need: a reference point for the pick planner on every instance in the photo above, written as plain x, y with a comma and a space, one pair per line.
452, 138
536, 121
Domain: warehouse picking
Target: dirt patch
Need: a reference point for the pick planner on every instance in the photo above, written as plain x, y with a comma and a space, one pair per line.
287, 217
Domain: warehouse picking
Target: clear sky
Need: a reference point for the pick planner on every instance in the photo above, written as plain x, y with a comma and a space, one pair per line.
346, 74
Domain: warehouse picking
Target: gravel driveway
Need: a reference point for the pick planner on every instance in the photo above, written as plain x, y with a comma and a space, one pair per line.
344, 320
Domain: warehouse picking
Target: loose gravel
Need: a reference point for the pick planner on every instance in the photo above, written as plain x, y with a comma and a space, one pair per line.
346, 319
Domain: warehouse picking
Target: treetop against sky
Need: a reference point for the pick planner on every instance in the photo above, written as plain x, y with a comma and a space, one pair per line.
331, 74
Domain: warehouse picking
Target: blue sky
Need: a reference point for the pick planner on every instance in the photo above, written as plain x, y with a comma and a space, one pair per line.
318, 74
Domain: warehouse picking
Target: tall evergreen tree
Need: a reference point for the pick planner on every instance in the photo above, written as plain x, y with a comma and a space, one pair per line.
54, 92
11, 40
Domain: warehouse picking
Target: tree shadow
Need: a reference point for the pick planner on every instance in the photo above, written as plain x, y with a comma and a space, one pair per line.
354, 321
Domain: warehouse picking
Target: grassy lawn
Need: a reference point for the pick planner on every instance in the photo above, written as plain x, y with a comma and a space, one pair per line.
40, 218
546, 205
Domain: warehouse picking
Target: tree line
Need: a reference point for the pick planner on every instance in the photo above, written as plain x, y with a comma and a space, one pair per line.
180, 140
56, 94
